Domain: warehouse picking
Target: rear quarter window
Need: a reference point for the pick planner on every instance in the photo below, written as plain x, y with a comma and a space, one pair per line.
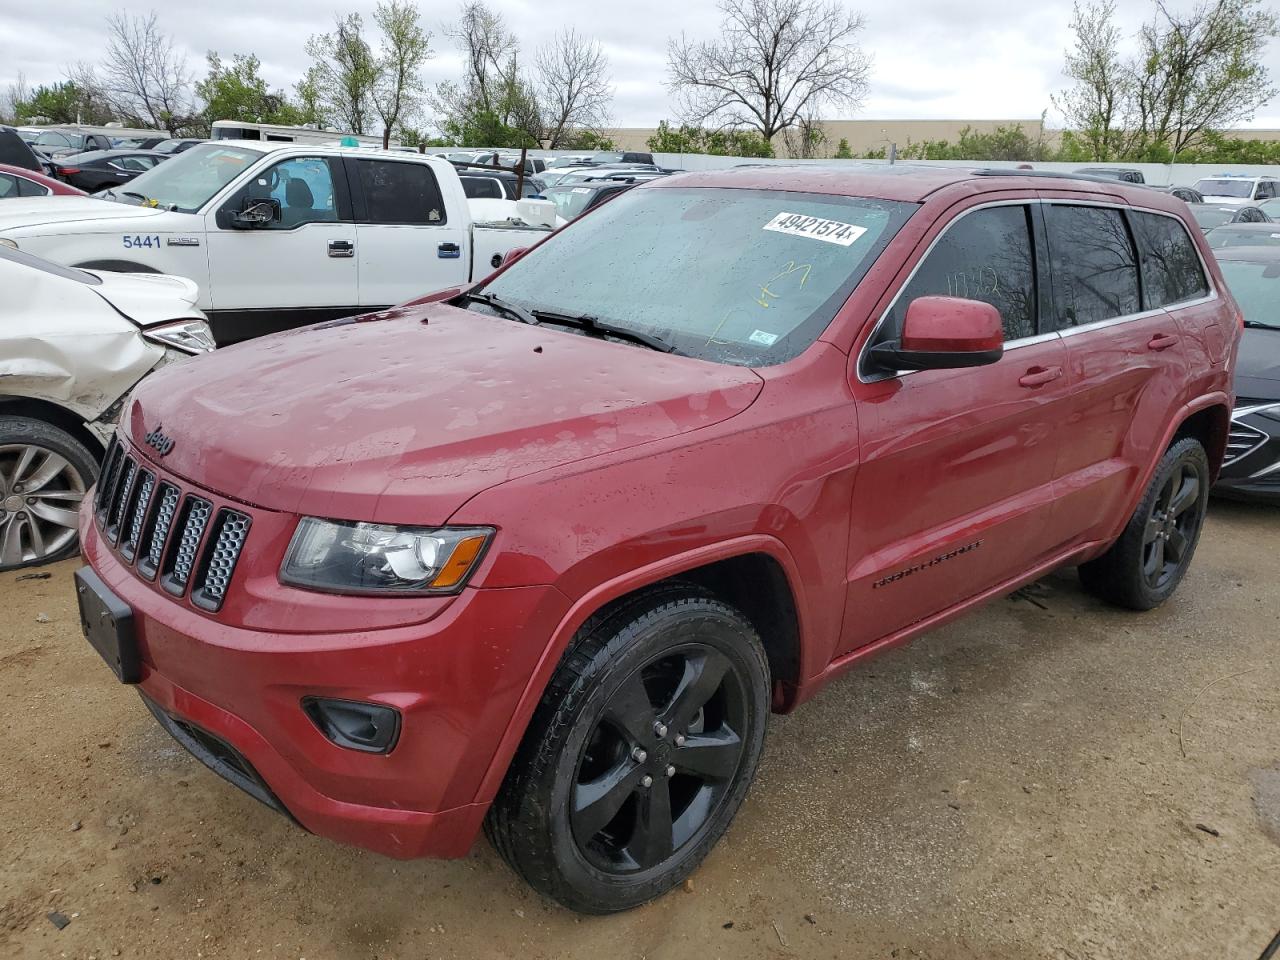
1171, 268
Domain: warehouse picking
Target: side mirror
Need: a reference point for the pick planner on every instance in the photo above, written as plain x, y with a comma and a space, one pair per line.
943, 333
257, 212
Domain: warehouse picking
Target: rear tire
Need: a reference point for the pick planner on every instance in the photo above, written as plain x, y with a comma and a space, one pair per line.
1144, 566
638, 755
44, 473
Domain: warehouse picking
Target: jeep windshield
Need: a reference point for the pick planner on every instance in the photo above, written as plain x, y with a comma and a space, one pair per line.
189, 180
747, 277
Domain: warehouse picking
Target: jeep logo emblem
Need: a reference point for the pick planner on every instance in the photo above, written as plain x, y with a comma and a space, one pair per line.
158, 442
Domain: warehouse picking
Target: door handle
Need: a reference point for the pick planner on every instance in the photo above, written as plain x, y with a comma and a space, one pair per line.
342, 248
1039, 376
1162, 341
448, 251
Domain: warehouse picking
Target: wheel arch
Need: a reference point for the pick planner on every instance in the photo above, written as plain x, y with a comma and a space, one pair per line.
1210, 425
59, 417
756, 574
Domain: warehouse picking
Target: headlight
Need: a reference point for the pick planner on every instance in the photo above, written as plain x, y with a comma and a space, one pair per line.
6, 242
189, 336
339, 556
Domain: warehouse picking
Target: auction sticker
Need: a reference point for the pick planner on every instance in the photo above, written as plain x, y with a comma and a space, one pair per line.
816, 228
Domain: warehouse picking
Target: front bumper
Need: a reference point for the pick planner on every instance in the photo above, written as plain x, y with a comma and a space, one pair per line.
1251, 470
455, 680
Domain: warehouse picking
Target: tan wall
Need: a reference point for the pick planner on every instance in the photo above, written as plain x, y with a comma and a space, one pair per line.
866, 135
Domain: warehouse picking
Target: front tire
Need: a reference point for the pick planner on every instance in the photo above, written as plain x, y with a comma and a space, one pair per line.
44, 473
638, 755
1144, 566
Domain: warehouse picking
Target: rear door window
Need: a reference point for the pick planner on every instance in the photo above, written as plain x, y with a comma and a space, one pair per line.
1095, 269
985, 255
400, 192
1171, 268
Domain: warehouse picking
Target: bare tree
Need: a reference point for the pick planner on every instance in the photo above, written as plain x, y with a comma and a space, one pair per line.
806, 139
406, 46
1096, 104
1202, 70
144, 75
774, 62
573, 87
344, 73
17, 93
490, 50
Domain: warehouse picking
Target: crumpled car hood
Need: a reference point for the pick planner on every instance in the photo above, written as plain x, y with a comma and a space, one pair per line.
149, 298
404, 419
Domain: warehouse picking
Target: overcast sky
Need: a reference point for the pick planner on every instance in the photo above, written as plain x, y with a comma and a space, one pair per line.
933, 58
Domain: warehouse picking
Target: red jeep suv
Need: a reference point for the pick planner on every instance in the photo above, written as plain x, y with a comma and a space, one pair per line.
543, 553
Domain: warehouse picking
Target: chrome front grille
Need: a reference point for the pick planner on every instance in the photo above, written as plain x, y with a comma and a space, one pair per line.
185, 540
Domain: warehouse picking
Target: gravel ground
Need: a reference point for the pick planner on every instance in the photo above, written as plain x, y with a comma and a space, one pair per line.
1047, 778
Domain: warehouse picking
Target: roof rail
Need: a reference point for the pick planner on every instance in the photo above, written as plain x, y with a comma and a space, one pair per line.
1050, 175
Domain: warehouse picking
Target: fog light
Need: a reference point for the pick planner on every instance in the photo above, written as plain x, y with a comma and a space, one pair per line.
367, 727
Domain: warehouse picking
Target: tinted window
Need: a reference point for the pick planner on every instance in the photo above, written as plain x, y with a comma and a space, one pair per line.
985, 255
1171, 270
29, 188
8, 186
482, 188
1095, 273
400, 192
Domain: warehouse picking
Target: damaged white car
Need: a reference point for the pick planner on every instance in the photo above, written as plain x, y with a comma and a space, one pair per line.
73, 343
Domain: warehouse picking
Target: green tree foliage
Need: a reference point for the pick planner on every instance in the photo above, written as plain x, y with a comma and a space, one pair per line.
721, 143
842, 150
236, 91
343, 73
399, 89
65, 102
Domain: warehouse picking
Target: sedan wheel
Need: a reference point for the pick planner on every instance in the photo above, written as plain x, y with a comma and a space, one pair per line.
43, 479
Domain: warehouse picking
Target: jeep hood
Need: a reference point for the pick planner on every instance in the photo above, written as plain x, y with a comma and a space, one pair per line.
404, 418
149, 299
39, 211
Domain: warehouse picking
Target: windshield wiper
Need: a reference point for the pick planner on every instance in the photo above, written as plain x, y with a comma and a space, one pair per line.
601, 328
512, 310
1259, 325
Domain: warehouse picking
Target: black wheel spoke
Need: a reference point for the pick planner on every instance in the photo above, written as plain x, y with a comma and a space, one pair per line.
1187, 495
653, 839
1166, 494
1155, 560
598, 801
712, 756
630, 709
1176, 545
703, 674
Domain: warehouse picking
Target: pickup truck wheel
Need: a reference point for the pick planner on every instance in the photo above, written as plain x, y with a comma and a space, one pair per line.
44, 473
1145, 566
638, 755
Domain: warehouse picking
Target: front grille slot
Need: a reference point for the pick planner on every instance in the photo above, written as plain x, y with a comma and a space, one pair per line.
119, 496
155, 530
219, 561
107, 478
181, 559
1242, 441
136, 511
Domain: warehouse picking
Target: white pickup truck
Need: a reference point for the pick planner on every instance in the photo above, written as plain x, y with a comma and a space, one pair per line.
279, 235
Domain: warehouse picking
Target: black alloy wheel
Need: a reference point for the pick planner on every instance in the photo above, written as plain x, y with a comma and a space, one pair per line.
660, 759
639, 753
1172, 526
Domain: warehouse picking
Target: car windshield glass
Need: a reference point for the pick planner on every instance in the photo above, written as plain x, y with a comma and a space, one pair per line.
569, 201
1225, 187
47, 266
1234, 236
1211, 216
191, 178
1256, 287
748, 277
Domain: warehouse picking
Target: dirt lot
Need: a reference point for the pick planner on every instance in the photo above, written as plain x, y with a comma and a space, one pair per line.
1013, 786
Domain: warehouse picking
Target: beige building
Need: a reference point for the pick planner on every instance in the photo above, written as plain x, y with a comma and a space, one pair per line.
868, 135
